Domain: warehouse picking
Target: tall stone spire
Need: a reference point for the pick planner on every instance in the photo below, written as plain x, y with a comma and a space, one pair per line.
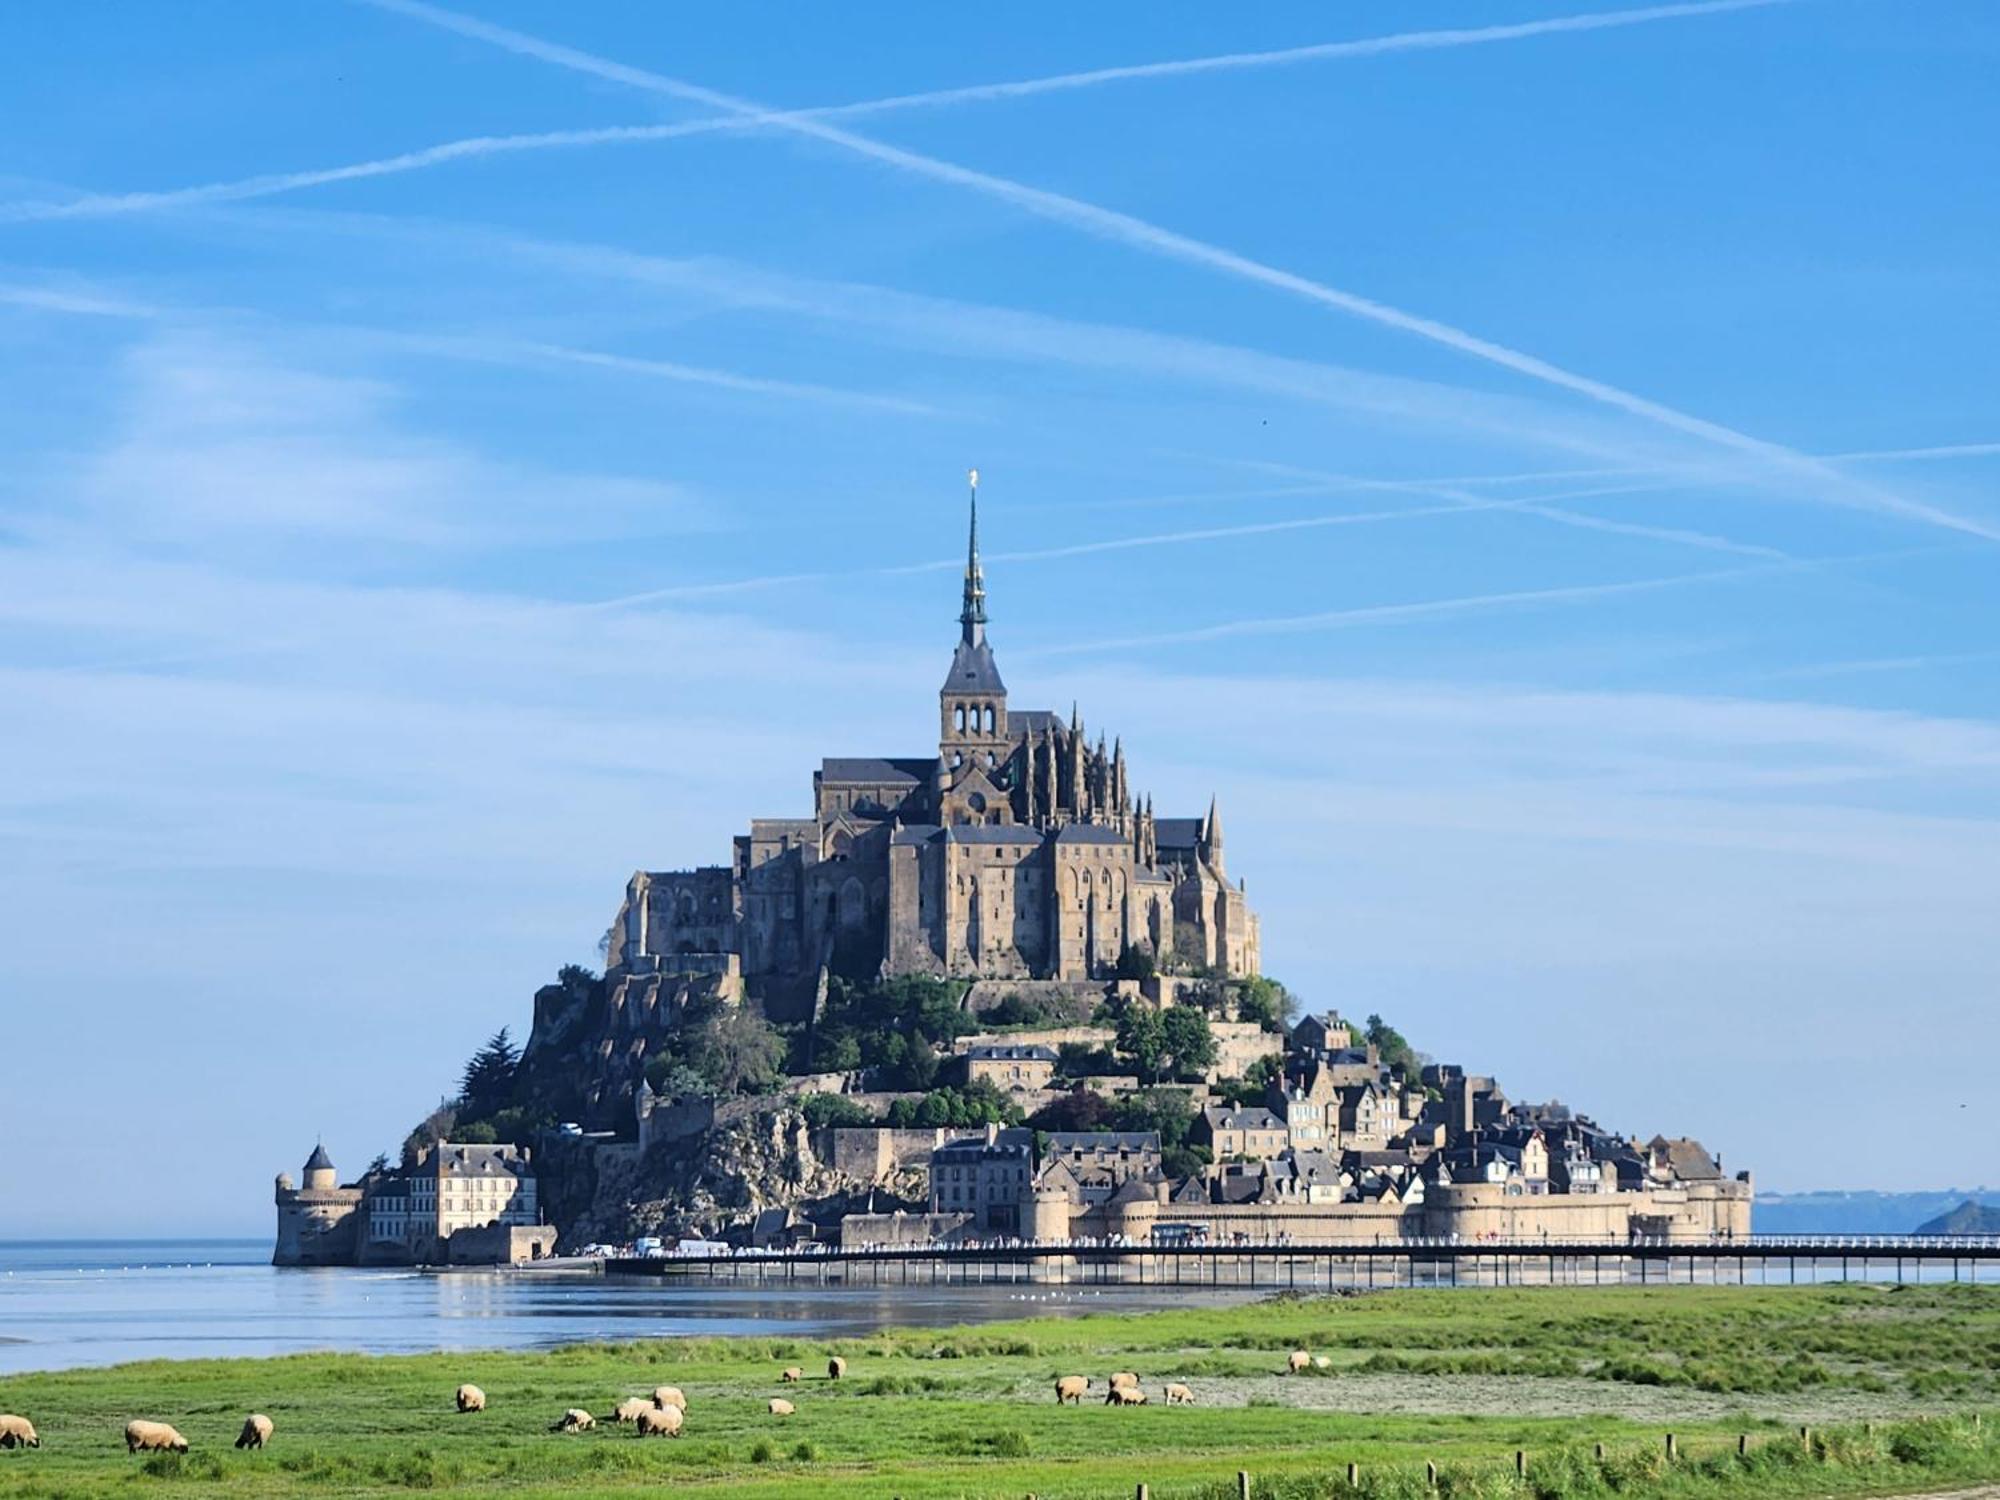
1211, 837
972, 617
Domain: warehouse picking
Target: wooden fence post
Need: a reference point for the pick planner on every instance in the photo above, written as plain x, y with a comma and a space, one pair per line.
1742, 1444
1672, 1451
1142, 1492
1600, 1453
1242, 1484
1431, 1472
1354, 1476
1520, 1463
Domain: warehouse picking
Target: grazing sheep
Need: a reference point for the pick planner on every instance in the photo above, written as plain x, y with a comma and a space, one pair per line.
1298, 1361
1123, 1377
1071, 1388
471, 1398
780, 1407
1124, 1395
661, 1421
18, 1432
576, 1419
670, 1395
1321, 1362
630, 1411
151, 1436
792, 1375
256, 1431
1179, 1395
835, 1368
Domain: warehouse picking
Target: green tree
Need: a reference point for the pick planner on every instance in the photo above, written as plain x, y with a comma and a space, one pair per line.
1169, 1111
1185, 1035
824, 1111
1142, 1037
1393, 1049
737, 1051
671, 1078
477, 1133
1265, 1002
434, 1127
1135, 962
488, 1082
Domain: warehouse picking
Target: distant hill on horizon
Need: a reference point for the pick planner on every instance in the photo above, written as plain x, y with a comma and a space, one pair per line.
1969, 1217
1834, 1212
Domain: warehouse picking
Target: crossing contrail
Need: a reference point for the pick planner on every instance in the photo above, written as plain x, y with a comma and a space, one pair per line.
98, 205
1109, 224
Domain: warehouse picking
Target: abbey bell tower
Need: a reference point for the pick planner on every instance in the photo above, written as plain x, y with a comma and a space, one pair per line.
973, 740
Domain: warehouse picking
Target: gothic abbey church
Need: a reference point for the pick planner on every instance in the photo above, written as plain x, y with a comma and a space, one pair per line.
1017, 851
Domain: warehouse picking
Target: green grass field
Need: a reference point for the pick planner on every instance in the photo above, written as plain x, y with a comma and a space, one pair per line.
1890, 1380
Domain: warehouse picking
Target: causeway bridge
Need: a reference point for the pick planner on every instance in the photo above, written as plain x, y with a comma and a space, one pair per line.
1334, 1265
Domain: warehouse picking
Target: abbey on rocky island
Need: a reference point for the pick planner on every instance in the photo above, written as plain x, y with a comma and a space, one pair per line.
1018, 851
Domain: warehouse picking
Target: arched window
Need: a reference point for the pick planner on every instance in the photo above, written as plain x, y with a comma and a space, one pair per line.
958, 719
992, 719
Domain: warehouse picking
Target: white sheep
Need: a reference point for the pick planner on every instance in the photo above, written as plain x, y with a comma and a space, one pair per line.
256, 1431
1071, 1388
1124, 1395
630, 1411
835, 1368
661, 1421
780, 1407
576, 1419
18, 1432
471, 1398
1179, 1395
153, 1436
670, 1395
1299, 1362
791, 1375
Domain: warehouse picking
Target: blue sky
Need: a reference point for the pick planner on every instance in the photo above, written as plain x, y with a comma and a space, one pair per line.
1541, 477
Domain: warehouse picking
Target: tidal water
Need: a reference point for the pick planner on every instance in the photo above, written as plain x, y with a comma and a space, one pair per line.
65, 1303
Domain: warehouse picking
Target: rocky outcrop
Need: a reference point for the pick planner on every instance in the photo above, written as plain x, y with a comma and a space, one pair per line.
592, 1039
759, 1154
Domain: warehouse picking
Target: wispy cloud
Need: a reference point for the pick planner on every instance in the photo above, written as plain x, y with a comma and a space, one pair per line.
1822, 481
471, 148
215, 439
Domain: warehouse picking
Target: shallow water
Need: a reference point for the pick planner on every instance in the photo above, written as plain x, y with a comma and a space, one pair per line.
65, 1303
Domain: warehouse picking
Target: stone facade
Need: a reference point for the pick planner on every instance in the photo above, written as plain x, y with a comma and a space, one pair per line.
1018, 851
460, 1204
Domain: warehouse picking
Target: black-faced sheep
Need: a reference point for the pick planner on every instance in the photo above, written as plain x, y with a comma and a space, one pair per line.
471, 1398
256, 1431
1071, 1388
18, 1432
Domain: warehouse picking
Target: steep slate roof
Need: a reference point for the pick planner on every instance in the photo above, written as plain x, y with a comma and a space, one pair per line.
1012, 1052
876, 770
1032, 720
1688, 1158
973, 670
916, 833
991, 833
1178, 833
1247, 1117
1067, 1141
319, 1161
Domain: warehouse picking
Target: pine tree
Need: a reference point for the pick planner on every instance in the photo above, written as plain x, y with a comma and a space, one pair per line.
488, 1084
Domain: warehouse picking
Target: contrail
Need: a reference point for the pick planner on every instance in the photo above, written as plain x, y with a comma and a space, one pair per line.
1470, 504
97, 205
1377, 614
1122, 228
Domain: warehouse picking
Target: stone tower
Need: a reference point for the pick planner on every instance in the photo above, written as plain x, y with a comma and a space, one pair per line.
974, 744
